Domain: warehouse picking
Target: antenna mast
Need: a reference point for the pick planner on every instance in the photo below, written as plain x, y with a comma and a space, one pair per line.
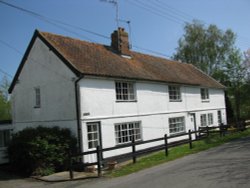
115, 3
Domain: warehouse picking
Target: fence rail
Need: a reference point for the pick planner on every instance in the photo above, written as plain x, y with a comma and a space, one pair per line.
202, 132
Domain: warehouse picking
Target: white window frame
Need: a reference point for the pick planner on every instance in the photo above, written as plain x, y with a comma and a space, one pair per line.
124, 132
203, 118
174, 93
204, 94
210, 119
125, 91
219, 116
37, 97
93, 134
176, 125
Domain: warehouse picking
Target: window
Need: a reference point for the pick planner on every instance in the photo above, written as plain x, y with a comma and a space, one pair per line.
210, 119
125, 91
174, 93
219, 117
4, 138
124, 132
37, 97
207, 119
93, 134
203, 120
176, 125
204, 94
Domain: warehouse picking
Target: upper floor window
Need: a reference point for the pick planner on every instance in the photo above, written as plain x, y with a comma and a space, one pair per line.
125, 91
124, 132
204, 94
176, 125
37, 97
174, 93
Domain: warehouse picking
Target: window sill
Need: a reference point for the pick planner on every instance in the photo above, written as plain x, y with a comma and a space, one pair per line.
176, 134
37, 106
127, 143
171, 100
118, 101
206, 100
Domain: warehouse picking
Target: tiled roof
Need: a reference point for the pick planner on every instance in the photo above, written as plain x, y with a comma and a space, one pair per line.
99, 60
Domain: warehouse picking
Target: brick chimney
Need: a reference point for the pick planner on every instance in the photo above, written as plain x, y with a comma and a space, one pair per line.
119, 41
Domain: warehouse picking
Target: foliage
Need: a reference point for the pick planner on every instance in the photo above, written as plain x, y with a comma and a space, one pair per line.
5, 106
205, 47
41, 150
213, 51
175, 153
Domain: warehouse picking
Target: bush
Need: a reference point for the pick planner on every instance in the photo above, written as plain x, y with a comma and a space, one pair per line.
41, 150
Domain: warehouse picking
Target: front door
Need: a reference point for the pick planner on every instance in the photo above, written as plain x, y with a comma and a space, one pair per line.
94, 137
193, 122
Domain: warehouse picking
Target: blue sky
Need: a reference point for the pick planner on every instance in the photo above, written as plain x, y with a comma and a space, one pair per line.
156, 25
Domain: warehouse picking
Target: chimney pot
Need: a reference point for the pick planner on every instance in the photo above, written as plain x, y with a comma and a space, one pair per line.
119, 41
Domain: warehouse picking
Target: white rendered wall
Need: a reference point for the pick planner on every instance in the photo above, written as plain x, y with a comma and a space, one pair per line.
152, 109
45, 70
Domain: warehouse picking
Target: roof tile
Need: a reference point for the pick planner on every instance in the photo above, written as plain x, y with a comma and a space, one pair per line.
100, 60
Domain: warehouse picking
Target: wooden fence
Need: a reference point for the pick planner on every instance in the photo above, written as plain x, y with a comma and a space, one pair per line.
203, 132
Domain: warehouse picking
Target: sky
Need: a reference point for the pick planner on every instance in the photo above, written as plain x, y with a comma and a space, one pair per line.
155, 25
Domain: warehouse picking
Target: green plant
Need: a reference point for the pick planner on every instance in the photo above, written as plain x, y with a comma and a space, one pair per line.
41, 150
176, 152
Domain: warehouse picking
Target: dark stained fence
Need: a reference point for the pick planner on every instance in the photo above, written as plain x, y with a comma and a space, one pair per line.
202, 133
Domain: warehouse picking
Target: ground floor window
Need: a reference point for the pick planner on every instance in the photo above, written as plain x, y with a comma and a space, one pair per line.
207, 119
219, 117
4, 138
176, 125
210, 119
124, 132
93, 134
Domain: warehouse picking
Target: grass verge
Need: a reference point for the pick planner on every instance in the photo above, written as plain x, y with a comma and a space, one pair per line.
175, 153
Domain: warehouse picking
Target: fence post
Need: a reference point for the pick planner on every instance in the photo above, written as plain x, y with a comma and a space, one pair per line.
190, 139
71, 175
199, 134
221, 129
166, 144
207, 129
99, 158
133, 149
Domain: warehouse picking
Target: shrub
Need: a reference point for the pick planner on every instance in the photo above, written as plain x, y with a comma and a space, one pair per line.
41, 150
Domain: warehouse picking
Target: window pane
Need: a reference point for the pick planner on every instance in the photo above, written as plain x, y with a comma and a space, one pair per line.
128, 131
124, 91
176, 125
93, 135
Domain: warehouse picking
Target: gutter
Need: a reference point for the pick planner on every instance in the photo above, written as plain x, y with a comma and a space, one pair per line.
79, 134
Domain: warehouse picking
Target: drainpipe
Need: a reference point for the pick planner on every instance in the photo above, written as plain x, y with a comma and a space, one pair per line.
78, 116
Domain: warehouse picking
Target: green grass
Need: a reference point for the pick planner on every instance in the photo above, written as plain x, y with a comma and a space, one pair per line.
175, 153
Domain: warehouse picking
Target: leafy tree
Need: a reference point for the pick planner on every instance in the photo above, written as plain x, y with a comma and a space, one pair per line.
236, 74
5, 107
208, 48
213, 51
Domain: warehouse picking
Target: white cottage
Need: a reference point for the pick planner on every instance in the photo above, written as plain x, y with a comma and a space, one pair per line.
106, 94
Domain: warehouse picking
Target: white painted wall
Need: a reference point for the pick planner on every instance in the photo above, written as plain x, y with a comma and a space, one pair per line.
45, 70
153, 109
